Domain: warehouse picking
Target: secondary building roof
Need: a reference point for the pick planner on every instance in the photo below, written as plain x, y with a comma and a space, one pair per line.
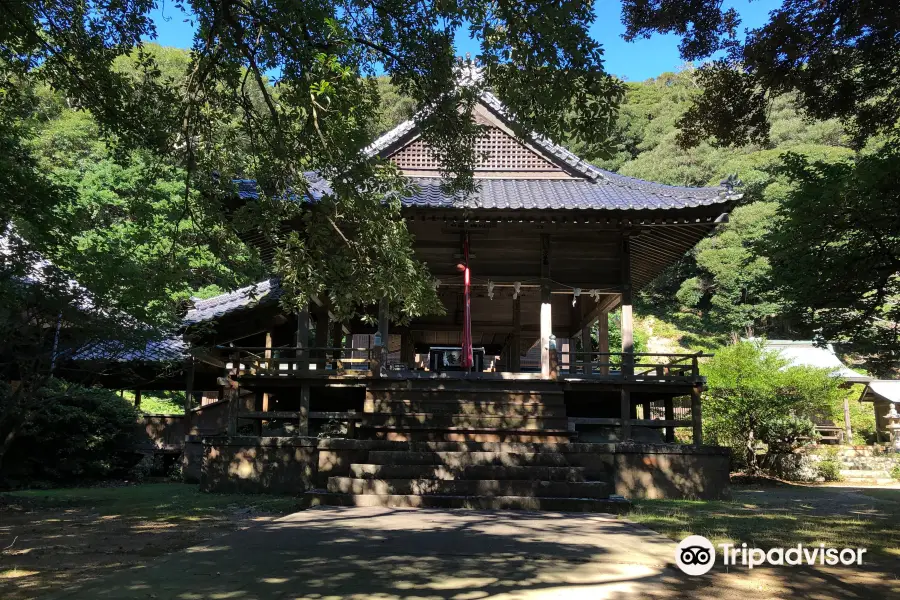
804, 353
881, 389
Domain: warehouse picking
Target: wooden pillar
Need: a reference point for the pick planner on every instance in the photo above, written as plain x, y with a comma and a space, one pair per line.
603, 340
321, 335
515, 351
270, 366
587, 345
670, 416
625, 411
258, 403
304, 409
188, 395
848, 430
407, 350
646, 410
696, 415
627, 324
137, 399
337, 342
301, 339
384, 326
546, 307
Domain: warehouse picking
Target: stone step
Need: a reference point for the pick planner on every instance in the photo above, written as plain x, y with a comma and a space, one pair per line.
475, 487
443, 472
864, 474
465, 422
464, 407
467, 434
868, 481
521, 447
607, 505
462, 459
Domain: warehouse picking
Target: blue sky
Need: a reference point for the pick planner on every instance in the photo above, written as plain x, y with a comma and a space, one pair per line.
635, 61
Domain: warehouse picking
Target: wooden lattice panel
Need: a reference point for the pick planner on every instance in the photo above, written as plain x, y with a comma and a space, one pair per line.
500, 151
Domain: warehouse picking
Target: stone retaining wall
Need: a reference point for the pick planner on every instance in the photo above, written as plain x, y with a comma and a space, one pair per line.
293, 465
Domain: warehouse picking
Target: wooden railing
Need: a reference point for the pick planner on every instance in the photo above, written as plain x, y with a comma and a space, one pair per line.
277, 361
637, 365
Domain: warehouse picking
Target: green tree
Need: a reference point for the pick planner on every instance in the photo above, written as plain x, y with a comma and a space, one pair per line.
841, 270
754, 397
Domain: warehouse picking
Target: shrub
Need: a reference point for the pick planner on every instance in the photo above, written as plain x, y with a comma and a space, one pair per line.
829, 468
785, 434
895, 471
75, 432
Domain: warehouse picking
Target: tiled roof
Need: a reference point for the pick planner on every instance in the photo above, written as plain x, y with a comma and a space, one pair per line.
804, 353
600, 189
608, 192
223, 304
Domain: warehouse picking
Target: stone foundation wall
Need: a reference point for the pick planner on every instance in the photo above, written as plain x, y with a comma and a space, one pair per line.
293, 465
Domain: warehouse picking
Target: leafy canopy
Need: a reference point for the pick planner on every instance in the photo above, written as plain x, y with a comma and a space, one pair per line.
275, 91
754, 396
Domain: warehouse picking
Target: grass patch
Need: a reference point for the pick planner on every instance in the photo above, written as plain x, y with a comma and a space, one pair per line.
154, 501
768, 517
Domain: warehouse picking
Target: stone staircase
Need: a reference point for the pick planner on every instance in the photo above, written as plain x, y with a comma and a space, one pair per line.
472, 475
494, 446
871, 470
457, 411
866, 465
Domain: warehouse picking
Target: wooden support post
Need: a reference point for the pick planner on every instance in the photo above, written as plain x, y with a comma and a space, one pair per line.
301, 340
337, 341
383, 338
587, 345
625, 412
407, 350
627, 323
188, 395
670, 416
696, 415
304, 409
603, 340
646, 410
137, 399
546, 308
848, 430
515, 351
258, 403
321, 335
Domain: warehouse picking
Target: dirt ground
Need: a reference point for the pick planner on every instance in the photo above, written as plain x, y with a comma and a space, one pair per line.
48, 543
52, 542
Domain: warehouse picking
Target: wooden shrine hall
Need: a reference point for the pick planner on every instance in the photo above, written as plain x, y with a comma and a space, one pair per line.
552, 246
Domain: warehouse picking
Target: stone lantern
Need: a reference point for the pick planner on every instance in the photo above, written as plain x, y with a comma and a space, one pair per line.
893, 427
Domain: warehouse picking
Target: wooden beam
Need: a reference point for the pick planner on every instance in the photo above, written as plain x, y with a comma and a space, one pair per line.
603, 338
301, 339
627, 322
188, 395
137, 399
670, 416
515, 357
321, 334
625, 414
546, 307
304, 410
337, 341
696, 415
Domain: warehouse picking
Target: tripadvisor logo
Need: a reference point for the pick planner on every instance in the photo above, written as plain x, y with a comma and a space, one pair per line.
695, 555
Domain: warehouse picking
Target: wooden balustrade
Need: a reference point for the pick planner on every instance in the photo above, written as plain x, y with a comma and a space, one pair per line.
292, 360
644, 365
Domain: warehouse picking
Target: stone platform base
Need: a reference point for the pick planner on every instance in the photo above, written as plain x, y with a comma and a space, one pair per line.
468, 473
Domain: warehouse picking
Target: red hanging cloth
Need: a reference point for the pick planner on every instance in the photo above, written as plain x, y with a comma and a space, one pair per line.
466, 361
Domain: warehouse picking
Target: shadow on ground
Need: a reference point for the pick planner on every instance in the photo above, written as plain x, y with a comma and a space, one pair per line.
457, 555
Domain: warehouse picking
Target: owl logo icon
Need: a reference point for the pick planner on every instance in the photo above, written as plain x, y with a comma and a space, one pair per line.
695, 555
